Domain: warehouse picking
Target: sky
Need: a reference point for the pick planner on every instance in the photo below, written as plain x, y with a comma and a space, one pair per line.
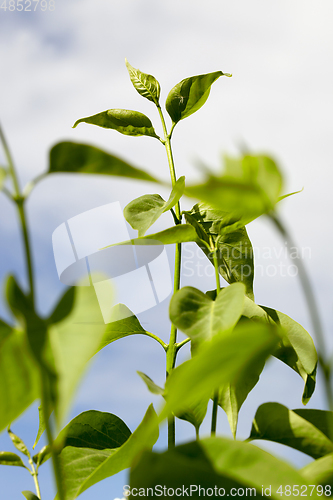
58, 66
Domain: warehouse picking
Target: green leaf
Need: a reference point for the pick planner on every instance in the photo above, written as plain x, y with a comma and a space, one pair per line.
64, 307
23, 310
73, 341
41, 426
42, 456
296, 349
189, 95
118, 329
84, 467
176, 234
221, 361
19, 386
152, 387
229, 236
320, 471
29, 496
245, 192
232, 396
142, 212
95, 429
3, 175
303, 430
71, 157
195, 414
214, 462
202, 318
18, 443
8, 458
123, 120
146, 85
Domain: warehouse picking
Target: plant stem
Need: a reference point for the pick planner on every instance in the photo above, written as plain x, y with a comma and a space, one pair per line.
19, 200
172, 348
34, 474
54, 454
216, 395
20, 206
312, 307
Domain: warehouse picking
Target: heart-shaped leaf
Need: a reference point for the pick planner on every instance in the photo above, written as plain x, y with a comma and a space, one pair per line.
123, 120
200, 317
84, 467
304, 430
142, 212
190, 94
71, 157
146, 85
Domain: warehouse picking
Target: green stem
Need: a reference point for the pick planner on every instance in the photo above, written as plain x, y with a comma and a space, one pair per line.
54, 454
216, 395
179, 345
22, 215
155, 337
34, 474
312, 307
172, 348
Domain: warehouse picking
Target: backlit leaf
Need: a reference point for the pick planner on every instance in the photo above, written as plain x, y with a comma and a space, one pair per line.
189, 95
142, 212
123, 120
71, 157
84, 467
320, 471
146, 85
221, 361
8, 458
217, 463
304, 430
18, 443
200, 317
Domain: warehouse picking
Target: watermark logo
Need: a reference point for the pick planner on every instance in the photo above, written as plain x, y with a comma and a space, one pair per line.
135, 275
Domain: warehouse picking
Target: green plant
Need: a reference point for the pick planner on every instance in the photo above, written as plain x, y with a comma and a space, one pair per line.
231, 336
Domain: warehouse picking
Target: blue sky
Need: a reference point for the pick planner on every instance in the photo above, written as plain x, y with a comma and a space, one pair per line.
60, 66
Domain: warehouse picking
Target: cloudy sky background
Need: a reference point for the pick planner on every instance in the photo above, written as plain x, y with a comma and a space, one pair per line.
59, 66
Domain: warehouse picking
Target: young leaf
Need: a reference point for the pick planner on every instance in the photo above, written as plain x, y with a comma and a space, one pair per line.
296, 349
142, 212
152, 387
19, 386
215, 462
234, 250
84, 467
73, 157
123, 120
201, 318
41, 426
146, 85
189, 95
29, 496
232, 396
221, 361
8, 458
18, 443
252, 190
303, 430
176, 234
320, 471
42, 456
195, 414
